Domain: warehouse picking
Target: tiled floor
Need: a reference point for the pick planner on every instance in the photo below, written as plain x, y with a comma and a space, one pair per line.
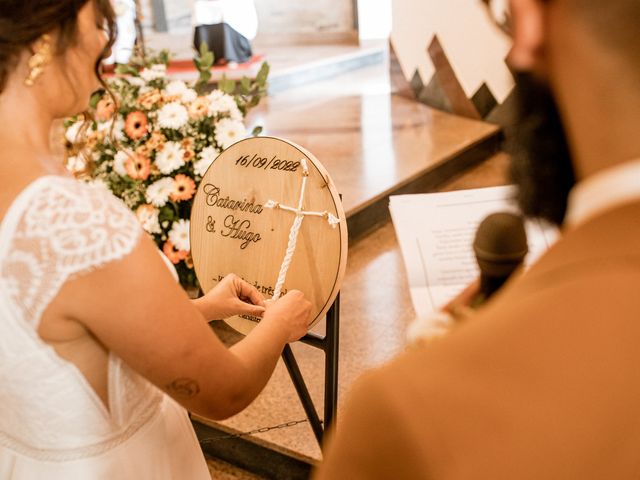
223, 471
369, 140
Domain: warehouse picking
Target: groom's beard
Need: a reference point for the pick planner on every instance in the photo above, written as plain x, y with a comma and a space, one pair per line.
541, 163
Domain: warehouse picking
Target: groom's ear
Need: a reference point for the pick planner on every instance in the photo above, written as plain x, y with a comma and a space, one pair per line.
529, 35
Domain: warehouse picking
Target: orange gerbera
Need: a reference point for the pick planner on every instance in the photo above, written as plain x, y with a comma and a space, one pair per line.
199, 108
136, 125
150, 99
183, 188
174, 255
156, 142
188, 155
138, 167
105, 109
144, 150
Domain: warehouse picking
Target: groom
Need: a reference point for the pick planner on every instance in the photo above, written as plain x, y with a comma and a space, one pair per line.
544, 383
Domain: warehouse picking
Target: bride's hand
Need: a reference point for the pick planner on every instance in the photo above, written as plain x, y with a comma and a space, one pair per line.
232, 296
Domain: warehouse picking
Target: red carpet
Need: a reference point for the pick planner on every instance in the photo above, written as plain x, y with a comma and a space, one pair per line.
181, 66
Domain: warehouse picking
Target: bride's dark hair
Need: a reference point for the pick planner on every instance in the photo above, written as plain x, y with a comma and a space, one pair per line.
22, 22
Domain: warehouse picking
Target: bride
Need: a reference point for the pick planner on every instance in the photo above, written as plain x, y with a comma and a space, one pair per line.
101, 352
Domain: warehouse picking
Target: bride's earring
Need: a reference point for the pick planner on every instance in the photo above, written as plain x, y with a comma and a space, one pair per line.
39, 60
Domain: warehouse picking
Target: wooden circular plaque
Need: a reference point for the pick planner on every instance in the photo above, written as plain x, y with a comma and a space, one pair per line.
234, 231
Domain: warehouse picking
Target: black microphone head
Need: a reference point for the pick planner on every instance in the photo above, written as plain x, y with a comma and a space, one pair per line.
500, 244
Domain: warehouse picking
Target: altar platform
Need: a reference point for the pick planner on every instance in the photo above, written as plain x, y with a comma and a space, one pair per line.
374, 143
293, 60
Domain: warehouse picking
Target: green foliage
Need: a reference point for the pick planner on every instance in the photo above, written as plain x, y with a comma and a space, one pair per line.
263, 73
227, 85
256, 131
248, 92
137, 63
70, 121
127, 70
203, 62
95, 98
167, 213
245, 86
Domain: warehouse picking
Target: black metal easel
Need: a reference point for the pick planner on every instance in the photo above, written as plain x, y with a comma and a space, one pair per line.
329, 344
258, 456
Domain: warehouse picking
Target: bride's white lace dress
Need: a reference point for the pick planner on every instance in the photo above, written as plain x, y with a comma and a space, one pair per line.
52, 423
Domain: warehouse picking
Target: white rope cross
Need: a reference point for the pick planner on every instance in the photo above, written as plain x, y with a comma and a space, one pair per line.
295, 227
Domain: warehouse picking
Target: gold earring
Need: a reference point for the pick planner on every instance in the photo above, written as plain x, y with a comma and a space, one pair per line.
39, 60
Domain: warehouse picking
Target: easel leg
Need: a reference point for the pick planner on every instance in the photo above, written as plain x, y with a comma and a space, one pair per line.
332, 341
329, 344
303, 392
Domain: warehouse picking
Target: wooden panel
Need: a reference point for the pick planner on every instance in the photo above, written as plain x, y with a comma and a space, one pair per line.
233, 232
460, 103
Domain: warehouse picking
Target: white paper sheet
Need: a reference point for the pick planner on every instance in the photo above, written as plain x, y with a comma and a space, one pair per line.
436, 231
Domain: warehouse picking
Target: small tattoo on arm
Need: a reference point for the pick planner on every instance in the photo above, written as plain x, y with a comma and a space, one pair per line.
183, 387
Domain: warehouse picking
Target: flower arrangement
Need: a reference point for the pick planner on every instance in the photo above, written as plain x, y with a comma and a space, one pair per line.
151, 141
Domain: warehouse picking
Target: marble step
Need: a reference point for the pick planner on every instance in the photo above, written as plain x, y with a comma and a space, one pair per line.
319, 62
292, 63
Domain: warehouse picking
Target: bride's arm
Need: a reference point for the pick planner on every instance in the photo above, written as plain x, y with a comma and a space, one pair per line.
134, 307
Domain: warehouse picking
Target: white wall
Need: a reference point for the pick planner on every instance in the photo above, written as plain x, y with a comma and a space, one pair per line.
374, 19
474, 46
275, 16
316, 16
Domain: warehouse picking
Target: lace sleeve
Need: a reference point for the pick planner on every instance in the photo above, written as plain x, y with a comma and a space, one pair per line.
57, 229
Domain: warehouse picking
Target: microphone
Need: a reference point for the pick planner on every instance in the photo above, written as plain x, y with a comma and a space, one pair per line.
500, 246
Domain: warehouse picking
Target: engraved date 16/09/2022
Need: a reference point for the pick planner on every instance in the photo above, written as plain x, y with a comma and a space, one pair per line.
263, 163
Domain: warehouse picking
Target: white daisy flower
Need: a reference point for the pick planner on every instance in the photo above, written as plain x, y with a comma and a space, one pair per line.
220, 104
99, 184
76, 164
170, 158
173, 115
179, 234
156, 71
215, 95
72, 132
148, 218
118, 129
136, 81
188, 96
179, 88
119, 161
206, 158
235, 113
104, 127
229, 131
159, 191
176, 87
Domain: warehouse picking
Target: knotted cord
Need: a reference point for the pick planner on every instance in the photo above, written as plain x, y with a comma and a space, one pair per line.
295, 227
